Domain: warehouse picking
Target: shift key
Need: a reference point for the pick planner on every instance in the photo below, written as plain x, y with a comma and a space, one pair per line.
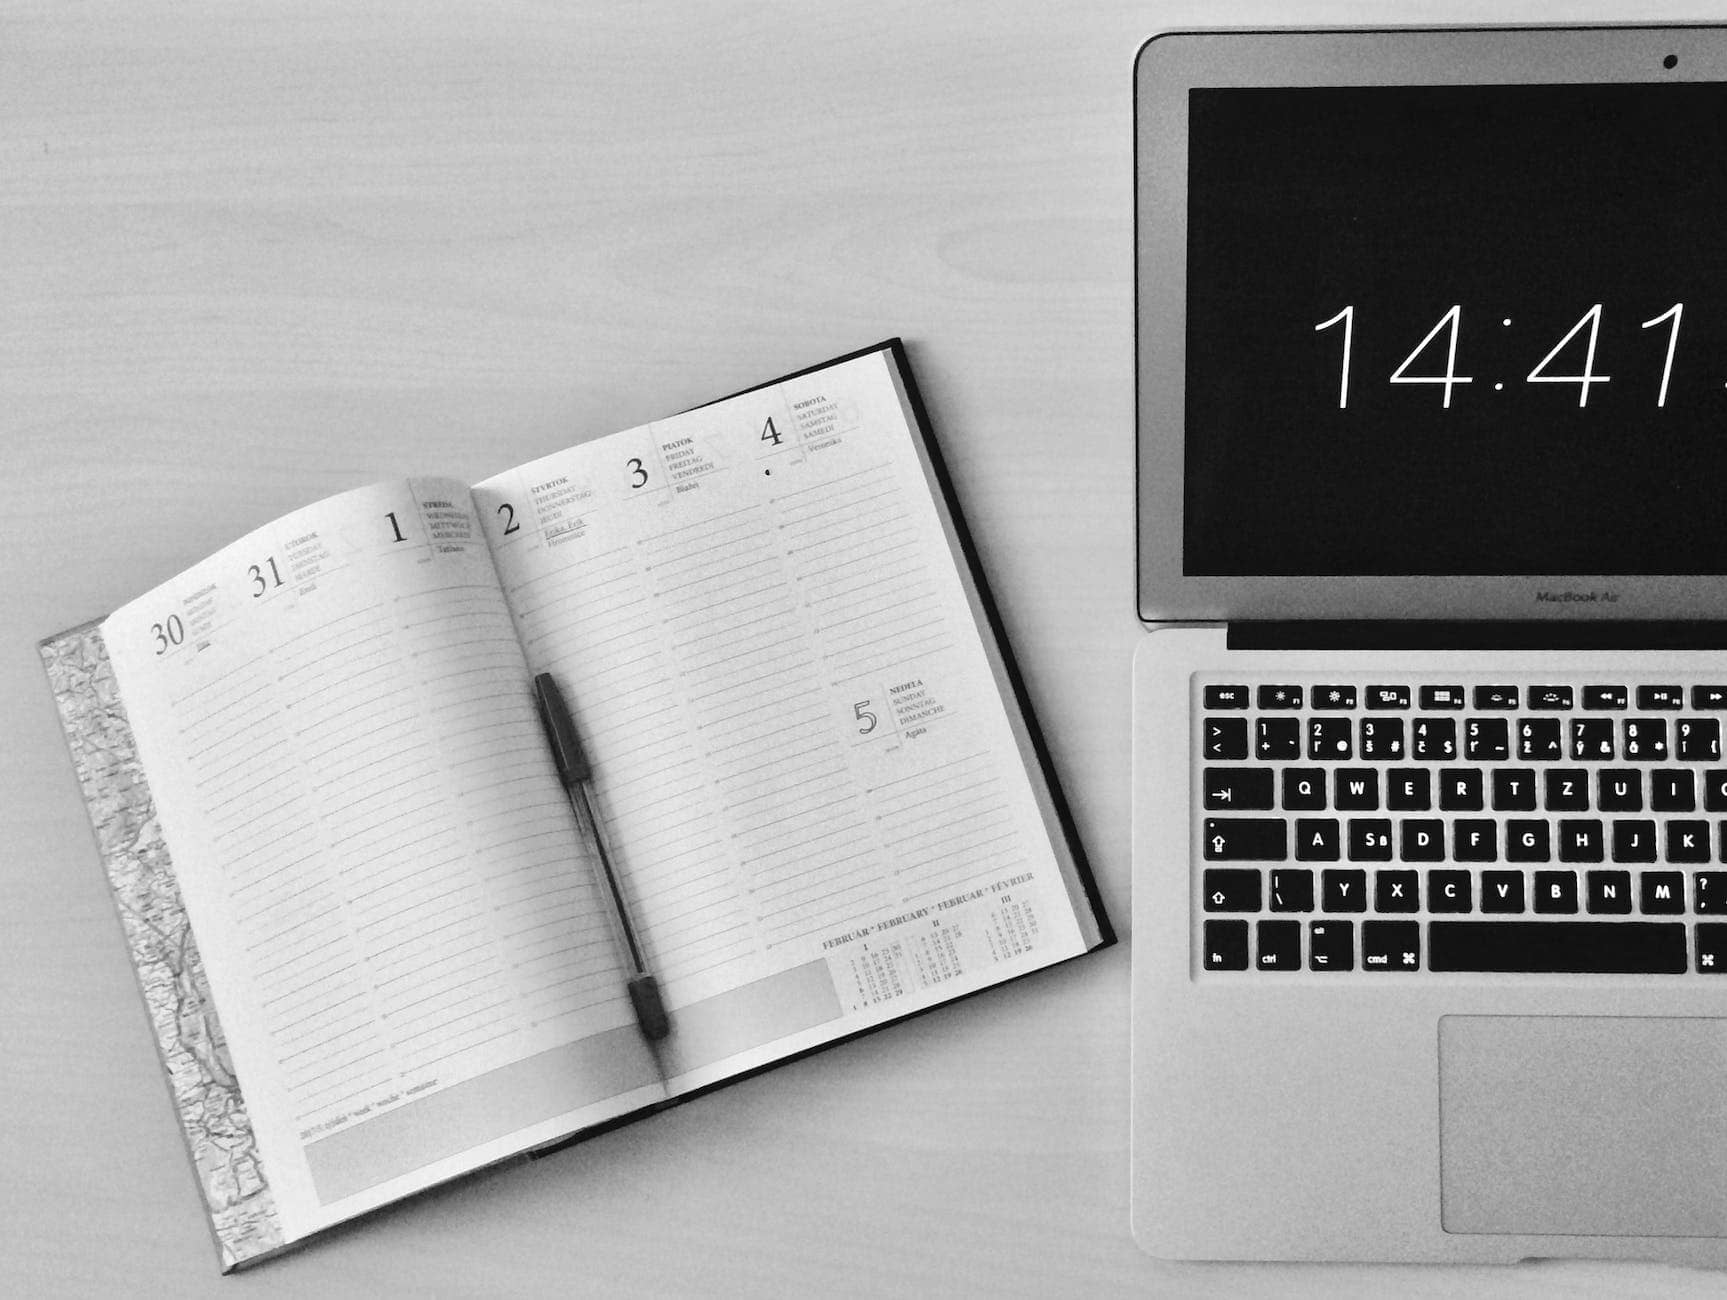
1246, 839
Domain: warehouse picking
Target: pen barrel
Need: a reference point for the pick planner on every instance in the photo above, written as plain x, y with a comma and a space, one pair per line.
650, 1009
566, 745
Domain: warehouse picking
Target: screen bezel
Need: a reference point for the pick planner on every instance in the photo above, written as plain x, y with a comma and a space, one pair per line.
1166, 68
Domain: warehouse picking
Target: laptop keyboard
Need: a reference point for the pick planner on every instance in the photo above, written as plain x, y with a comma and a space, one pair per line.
1492, 826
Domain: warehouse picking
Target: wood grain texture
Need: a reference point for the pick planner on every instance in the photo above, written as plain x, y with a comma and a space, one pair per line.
251, 255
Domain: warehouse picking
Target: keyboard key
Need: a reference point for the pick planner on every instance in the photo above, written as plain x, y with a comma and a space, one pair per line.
1238, 787
1592, 738
1634, 841
1645, 739
1343, 890
1225, 738
1434, 739
1709, 697
1496, 697
1662, 891
1292, 890
1550, 697
1231, 889
1687, 841
1448, 697
1370, 839
1303, 788
1672, 790
1621, 790
1460, 789
1382, 739
1250, 839
1605, 697
1711, 948
1277, 739
1660, 697
1527, 841
1514, 789
1486, 740
1396, 891
1330, 738
1552, 947
1715, 790
1567, 789
1226, 945
1538, 741
1581, 840
1423, 840
1357, 789
1407, 789
1709, 893
1699, 740
1475, 840
1318, 839
1501, 891
1555, 891
1331, 945
1334, 697
1388, 697
1449, 891
1226, 697
1279, 945
1609, 891
1279, 697
1391, 945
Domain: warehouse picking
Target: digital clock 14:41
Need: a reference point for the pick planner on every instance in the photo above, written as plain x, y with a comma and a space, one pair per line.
1451, 325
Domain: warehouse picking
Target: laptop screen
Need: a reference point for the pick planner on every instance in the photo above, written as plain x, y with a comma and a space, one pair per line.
1456, 330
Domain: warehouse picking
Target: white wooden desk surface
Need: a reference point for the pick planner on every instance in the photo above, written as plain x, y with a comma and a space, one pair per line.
250, 256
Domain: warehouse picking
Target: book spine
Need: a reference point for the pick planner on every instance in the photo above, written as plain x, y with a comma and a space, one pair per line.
194, 1053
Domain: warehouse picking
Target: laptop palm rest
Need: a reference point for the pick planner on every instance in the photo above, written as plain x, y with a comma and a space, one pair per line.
1592, 1125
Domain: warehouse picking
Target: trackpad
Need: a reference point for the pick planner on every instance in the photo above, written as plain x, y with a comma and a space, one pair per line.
1604, 1125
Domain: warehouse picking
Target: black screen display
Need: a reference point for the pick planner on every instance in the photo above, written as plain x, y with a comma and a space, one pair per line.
1457, 330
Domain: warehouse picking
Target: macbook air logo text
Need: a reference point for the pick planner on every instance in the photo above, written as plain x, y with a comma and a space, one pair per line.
1576, 597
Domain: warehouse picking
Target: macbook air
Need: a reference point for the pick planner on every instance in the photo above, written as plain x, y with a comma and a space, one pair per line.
1430, 803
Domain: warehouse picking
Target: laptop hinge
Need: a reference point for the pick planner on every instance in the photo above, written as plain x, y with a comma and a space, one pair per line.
1478, 634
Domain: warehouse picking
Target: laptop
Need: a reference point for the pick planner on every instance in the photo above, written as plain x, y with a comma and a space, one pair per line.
1430, 800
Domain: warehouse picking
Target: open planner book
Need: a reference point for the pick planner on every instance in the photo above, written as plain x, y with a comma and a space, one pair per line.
317, 752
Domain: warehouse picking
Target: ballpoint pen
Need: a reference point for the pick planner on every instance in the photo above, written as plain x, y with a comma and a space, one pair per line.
574, 772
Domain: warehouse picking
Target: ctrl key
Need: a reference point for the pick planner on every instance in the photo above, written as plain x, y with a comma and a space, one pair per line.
1226, 945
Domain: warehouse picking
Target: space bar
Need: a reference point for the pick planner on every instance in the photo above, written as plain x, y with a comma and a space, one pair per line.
1542, 947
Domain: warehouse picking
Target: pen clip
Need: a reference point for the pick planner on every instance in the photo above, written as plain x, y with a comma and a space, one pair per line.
560, 732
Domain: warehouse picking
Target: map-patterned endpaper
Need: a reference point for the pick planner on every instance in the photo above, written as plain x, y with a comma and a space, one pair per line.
182, 1015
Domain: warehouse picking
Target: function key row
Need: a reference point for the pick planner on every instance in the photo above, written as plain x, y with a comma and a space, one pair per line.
1478, 740
1485, 698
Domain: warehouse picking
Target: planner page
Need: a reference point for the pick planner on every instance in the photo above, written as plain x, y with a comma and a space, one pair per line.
821, 810
399, 924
